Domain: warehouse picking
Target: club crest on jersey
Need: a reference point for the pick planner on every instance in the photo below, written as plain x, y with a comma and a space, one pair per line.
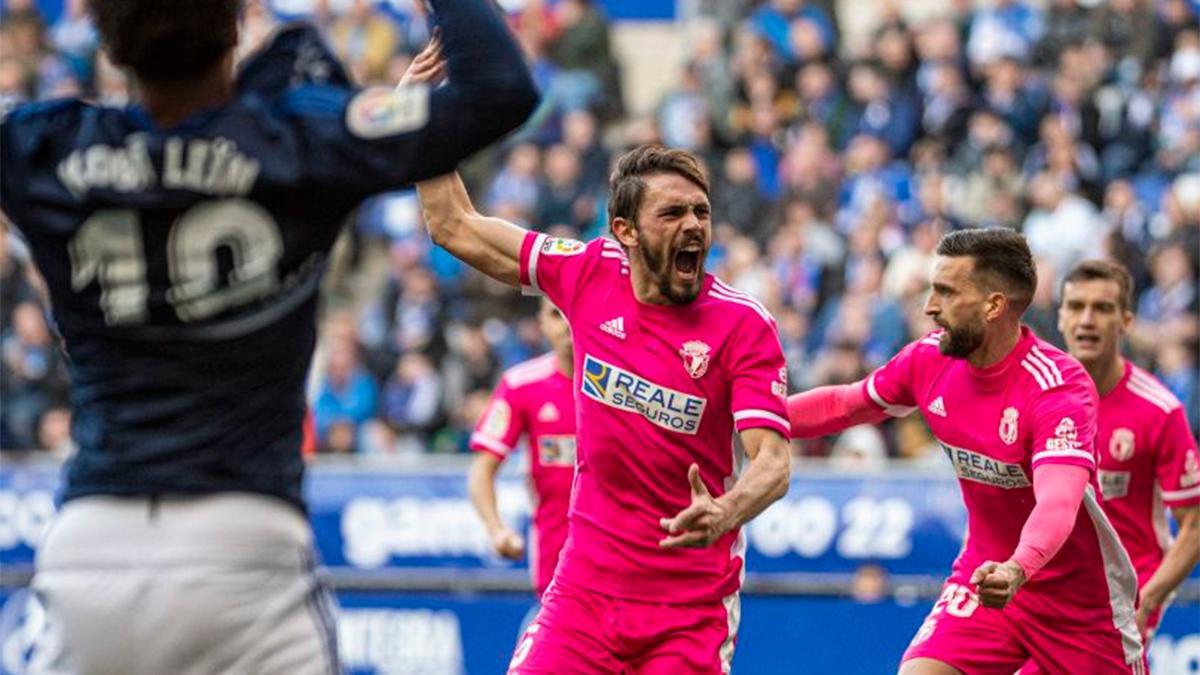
1008, 426
1120, 445
695, 358
560, 246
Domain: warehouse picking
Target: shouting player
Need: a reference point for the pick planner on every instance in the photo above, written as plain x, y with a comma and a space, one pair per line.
533, 399
183, 239
1148, 456
1042, 575
670, 365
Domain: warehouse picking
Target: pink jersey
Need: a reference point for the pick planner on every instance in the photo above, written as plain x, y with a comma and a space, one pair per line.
658, 388
997, 425
534, 398
1147, 462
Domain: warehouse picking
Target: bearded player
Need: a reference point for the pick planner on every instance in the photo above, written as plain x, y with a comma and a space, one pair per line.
671, 368
1042, 575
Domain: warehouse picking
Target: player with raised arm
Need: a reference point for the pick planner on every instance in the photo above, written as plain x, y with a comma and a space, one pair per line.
671, 368
534, 399
182, 239
1042, 575
1148, 459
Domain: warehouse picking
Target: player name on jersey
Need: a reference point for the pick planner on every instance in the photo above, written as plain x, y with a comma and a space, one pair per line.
208, 166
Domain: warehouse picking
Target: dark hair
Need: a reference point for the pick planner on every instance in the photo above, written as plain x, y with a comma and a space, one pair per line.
1091, 270
1001, 255
626, 186
167, 41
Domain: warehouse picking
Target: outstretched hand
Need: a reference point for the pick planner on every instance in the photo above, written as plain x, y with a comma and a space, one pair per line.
701, 523
428, 67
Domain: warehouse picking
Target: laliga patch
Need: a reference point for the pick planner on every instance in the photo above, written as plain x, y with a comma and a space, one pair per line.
377, 112
559, 246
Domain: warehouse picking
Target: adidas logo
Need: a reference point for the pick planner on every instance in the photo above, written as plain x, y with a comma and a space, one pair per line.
938, 407
614, 327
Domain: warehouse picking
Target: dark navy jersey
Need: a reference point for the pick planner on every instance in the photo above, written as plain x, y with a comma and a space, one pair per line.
183, 264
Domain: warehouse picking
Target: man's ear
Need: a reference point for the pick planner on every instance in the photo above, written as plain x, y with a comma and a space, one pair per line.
624, 231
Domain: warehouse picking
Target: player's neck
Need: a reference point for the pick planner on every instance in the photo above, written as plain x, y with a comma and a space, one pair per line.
996, 346
169, 103
645, 288
566, 364
1106, 374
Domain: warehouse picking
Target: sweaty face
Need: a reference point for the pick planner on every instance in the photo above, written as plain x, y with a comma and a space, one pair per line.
673, 236
956, 304
1091, 319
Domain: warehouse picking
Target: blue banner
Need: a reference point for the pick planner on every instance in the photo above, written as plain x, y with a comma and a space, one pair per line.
375, 521
468, 633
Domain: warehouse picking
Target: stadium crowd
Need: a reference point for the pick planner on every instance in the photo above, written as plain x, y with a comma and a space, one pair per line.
834, 171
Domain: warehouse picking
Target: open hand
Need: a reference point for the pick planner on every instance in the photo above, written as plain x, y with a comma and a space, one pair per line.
997, 583
701, 523
428, 67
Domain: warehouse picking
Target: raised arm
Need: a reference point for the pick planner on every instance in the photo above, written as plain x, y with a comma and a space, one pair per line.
490, 245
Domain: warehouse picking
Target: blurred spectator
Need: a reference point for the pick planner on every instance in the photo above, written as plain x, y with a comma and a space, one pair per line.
562, 197
33, 375
1003, 29
1067, 23
587, 76
736, 197
1063, 228
1170, 309
54, 432
991, 195
884, 110
516, 184
410, 407
347, 394
797, 30
365, 38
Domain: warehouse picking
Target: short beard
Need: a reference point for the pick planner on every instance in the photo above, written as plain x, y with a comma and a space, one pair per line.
660, 270
961, 342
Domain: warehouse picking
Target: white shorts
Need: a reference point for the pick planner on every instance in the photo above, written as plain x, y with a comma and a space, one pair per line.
182, 585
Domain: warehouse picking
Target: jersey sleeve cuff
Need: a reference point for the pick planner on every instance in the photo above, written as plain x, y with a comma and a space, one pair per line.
893, 410
1184, 497
1081, 458
481, 443
531, 249
752, 418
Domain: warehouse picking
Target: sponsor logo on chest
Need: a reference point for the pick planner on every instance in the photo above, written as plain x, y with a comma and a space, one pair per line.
556, 450
619, 388
980, 468
1114, 484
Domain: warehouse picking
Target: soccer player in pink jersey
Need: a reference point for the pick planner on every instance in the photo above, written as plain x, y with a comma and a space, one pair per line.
679, 379
1148, 459
1042, 575
533, 399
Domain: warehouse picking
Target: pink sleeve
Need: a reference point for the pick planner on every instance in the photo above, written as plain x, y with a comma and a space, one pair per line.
555, 267
890, 386
759, 374
501, 425
1178, 467
1059, 490
827, 410
1064, 426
